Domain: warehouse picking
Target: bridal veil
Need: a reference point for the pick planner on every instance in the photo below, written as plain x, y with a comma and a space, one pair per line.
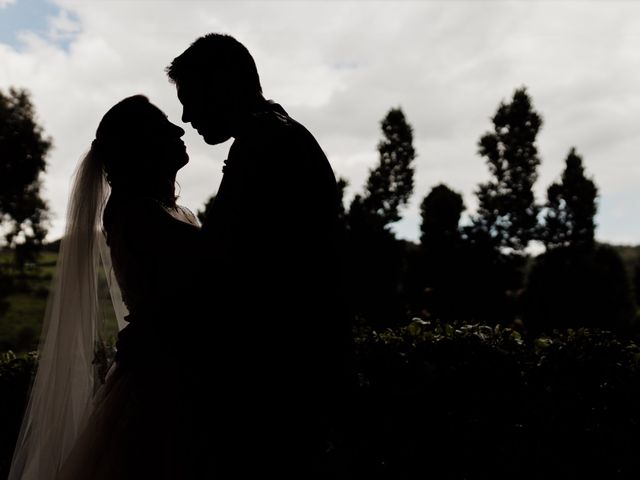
71, 360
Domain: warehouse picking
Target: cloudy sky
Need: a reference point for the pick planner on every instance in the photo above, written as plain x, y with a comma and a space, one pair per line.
338, 67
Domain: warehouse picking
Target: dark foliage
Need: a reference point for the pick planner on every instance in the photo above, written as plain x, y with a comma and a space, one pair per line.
636, 283
390, 184
458, 401
202, 214
23, 149
507, 213
15, 380
569, 287
506, 220
342, 184
571, 208
492, 282
6, 287
461, 401
376, 260
375, 263
440, 265
440, 212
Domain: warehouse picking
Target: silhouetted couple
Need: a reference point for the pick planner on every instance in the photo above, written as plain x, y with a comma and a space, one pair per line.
232, 363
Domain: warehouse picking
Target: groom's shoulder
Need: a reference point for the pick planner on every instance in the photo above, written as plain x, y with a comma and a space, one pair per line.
274, 123
273, 132
270, 121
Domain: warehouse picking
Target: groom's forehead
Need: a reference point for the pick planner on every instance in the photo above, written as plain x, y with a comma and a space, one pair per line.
196, 87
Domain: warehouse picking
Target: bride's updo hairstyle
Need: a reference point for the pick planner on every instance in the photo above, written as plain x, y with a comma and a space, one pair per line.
121, 145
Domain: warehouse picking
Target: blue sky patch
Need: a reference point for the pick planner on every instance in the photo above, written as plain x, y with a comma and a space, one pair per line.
33, 16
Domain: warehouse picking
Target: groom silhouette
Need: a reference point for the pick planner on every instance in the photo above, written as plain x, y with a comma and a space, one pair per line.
274, 334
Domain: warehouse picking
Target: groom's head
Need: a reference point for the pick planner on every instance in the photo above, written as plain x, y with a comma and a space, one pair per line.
217, 83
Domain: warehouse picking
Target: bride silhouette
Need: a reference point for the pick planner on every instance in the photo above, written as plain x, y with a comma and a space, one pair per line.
137, 423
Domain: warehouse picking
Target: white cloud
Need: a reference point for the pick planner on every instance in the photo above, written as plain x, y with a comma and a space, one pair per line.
63, 26
6, 3
339, 66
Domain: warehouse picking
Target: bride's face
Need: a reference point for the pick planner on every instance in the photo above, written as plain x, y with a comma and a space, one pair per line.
168, 152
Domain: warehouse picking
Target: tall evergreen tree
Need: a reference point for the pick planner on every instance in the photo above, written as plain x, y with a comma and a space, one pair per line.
507, 213
571, 208
506, 220
390, 184
23, 151
376, 256
576, 283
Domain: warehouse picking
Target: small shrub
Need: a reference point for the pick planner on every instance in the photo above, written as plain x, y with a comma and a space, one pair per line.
15, 379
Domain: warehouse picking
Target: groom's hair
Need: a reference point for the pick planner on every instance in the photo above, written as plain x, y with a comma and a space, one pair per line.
218, 58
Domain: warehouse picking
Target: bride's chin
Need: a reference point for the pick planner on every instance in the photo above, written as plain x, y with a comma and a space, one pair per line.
215, 139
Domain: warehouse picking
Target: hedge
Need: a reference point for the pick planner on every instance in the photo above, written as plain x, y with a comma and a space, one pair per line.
460, 401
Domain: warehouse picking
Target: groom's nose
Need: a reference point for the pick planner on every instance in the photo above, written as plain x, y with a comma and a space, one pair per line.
186, 116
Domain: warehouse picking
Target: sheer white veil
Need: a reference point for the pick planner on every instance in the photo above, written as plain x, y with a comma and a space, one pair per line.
66, 377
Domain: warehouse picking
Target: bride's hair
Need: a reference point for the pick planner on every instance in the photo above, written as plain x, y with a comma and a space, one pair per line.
117, 145
125, 146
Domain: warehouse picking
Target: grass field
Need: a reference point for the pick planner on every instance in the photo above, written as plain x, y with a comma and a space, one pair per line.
21, 323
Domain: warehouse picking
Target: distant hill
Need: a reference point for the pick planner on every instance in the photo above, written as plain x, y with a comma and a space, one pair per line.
630, 255
628, 252
52, 246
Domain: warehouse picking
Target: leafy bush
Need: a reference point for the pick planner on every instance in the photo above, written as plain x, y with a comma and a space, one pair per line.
571, 288
460, 401
6, 285
474, 401
15, 378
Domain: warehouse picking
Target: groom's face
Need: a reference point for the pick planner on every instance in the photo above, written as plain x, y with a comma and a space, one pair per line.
206, 109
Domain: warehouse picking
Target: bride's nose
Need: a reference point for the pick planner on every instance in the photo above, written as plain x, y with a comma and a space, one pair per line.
178, 130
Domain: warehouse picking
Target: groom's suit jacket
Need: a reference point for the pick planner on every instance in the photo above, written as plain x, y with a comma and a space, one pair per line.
274, 243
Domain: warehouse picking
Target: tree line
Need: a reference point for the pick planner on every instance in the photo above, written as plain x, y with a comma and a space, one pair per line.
480, 271
474, 271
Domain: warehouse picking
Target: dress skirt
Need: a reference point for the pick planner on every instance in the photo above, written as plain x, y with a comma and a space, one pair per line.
139, 428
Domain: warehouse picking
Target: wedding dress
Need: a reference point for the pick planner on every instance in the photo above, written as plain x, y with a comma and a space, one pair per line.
139, 426
136, 422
